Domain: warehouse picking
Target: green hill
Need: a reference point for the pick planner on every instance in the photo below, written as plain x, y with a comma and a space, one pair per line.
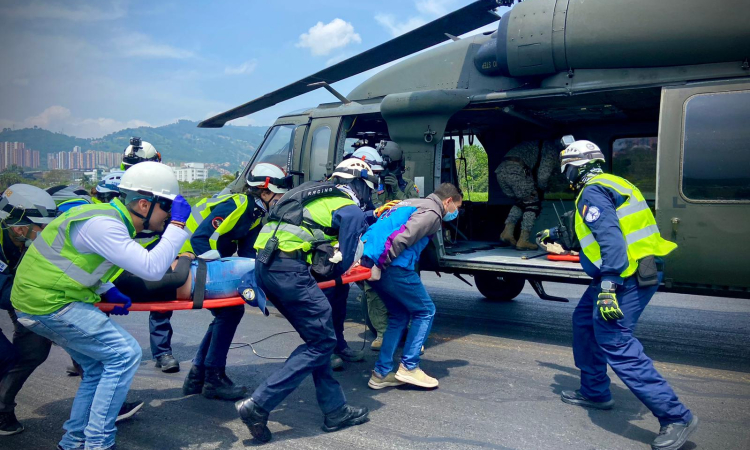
182, 141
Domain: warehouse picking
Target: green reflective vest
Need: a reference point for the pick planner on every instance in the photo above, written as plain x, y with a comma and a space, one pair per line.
317, 217
637, 224
203, 209
53, 273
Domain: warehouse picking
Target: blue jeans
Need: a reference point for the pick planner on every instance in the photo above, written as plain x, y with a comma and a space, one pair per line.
109, 357
405, 297
222, 278
598, 342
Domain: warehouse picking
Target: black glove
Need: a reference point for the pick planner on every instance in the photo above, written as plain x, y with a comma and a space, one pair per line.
608, 307
180, 209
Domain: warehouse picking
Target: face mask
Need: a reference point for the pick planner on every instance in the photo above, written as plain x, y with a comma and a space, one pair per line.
451, 215
260, 204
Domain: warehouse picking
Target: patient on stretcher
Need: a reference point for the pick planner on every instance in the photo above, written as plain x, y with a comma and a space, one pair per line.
223, 278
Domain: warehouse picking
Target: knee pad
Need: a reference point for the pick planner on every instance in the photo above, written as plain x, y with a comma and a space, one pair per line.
532, 207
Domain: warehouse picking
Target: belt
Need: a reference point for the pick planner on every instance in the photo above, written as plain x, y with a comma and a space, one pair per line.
297, 254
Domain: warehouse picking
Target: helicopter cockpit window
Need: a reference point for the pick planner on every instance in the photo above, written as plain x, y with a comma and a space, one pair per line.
319, 153
715, 157
634, 158
277, 146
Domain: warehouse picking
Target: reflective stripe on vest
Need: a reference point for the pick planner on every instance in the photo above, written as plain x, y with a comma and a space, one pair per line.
204, 208
636, 221
293, 237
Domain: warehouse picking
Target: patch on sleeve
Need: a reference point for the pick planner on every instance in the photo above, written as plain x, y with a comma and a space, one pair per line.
217, 221
592, 215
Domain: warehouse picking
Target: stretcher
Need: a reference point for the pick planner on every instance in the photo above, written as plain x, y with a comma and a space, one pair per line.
571, 258
358, 273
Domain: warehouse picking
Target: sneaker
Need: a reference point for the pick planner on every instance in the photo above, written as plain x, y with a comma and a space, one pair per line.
346, 416
350, 355
378, 381
336, 362
9, 425
674, 435
417, 377
575, 398
167, 363
376, 344
128, 410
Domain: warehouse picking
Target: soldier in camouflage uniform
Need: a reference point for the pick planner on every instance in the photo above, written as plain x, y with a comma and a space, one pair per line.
523, 175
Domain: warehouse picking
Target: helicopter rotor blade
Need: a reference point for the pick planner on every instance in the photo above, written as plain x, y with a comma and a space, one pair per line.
468, 18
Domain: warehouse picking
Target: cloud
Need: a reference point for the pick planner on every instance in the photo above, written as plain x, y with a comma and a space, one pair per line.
139, 45
396, 28
435, 8
427, 10
246, 68
76, 11
59, 119
321, 39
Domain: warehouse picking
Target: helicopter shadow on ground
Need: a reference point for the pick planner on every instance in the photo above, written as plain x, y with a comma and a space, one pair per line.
618, 420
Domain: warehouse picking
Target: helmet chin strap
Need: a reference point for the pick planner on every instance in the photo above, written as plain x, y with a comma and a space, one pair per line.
147, 217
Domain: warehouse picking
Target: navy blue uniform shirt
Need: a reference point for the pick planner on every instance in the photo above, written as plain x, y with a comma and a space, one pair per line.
351, 223
239, 239
598, 207
10, 256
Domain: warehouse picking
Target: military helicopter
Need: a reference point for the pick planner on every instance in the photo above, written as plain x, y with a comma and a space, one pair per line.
663, 87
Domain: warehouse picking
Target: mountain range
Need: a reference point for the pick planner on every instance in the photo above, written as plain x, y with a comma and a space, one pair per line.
182, 141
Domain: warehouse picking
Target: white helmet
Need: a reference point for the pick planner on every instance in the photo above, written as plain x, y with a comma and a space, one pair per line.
64, 193
23, 204
269, 176
356, 168
370, 156
150, 177
110, 183
580, 153
139, 151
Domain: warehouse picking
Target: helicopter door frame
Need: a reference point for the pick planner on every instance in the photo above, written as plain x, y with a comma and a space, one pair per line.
710, 231
315, 149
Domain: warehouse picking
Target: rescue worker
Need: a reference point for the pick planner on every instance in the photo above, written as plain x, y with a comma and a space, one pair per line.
348, 178
138, 151
79, 252
227, 223
382, 200
25, 211
67, 197
283, 269
523, 175
394, 185
392, 247
622, 252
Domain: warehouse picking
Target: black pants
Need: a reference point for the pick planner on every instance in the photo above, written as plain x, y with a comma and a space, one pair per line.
296, 295
160, 333
337, 297
31, 351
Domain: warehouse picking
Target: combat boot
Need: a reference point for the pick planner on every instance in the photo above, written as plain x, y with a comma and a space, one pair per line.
194, 381
524, 243
507, 234
346, 416
255, 418
218, 385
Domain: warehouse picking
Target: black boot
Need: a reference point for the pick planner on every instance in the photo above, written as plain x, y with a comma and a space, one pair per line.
575, 398
256, 419
218, 385
346, 416
194, 381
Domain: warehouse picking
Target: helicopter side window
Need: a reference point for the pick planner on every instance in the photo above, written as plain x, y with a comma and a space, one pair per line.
319, 153
634, 158
276, 147
715, 156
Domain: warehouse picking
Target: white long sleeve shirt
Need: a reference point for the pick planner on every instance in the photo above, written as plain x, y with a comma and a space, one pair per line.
109, 238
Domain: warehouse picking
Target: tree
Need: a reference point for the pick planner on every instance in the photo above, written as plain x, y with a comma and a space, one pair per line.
473, 171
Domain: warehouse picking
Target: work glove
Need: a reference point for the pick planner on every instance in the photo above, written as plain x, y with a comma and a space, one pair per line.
380, 210
180, 209
115, 296
608, 307
392, 181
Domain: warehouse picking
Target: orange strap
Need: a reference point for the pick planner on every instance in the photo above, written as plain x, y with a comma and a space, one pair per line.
571, 258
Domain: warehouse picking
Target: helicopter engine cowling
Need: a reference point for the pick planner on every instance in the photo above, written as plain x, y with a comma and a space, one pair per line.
543, 37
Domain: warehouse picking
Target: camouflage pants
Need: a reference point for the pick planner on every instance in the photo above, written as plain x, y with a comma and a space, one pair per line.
376, 309
517, 184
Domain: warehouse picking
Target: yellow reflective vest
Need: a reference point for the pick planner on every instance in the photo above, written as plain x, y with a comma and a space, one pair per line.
637, 224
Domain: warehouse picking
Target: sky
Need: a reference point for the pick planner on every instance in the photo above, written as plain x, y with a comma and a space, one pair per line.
91, 67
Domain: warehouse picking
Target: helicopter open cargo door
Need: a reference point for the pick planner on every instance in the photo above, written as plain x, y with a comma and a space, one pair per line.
703, 186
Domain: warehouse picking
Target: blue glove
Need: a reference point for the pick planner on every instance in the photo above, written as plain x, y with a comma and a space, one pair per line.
115, 296
180, 209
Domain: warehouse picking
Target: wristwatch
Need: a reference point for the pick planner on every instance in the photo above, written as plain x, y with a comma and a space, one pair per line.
608, 286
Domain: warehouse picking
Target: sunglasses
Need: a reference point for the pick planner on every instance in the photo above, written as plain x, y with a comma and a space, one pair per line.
164, 203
